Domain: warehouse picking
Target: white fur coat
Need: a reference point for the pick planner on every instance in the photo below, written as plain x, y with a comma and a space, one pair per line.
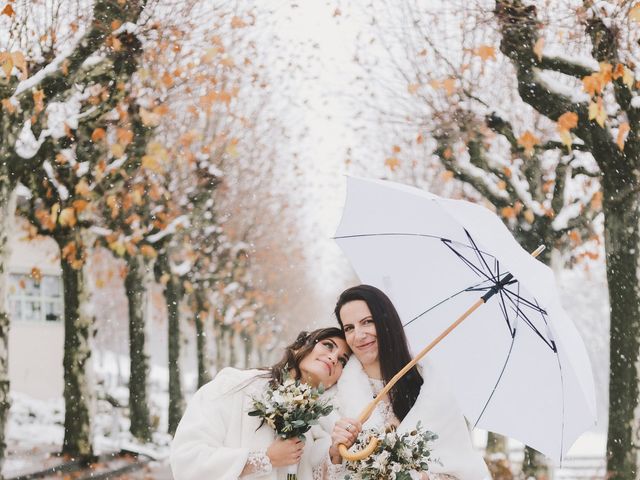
215, 436
435, 408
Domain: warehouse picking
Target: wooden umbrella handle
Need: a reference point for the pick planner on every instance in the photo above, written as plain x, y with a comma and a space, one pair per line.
368, 450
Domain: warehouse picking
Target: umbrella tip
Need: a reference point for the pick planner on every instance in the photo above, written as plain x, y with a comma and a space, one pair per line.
538, 250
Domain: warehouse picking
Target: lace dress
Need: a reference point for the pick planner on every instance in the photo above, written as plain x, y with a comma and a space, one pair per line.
385, 409
258, 464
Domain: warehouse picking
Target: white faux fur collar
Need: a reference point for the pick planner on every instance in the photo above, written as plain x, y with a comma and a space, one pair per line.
354, 393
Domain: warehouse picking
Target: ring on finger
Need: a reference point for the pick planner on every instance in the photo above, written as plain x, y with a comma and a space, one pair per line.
349, 427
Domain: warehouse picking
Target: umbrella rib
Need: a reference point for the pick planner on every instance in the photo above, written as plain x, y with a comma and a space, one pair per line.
503, 309
533, 306
563, 409
467, 262
495, 387
469, 289
526, 319
479, 254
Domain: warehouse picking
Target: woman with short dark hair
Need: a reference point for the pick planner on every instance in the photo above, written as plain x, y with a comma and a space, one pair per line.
374, 332
217, 439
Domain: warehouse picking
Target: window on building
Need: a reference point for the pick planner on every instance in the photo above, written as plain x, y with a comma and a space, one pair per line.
35, 301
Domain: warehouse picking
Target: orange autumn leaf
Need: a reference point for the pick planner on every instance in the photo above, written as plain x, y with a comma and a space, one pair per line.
392, 163
447, 175
528, 141
237, 22
38, 100
449, 85
621, 71
592, 84
597, 112
98, 134
67, 217
508, 212
413, 88
395, 149
167, 80
596, 200
502, 185
80, 205
149, 119
567, 121
538, 47
55, 209
82, 188
117, 150
124, 136
8, 105
228, 62
575, 237
162, 109
20, 62
148, 251
36, 274
6, 62
8, 11
529, 216
485, 52
634, 13
606, 72
622, 134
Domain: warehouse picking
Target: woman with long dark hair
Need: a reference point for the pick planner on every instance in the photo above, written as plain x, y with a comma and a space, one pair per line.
373, 330
217, 439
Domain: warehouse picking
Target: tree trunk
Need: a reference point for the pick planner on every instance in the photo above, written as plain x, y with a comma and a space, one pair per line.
248, 349
173, 294
7, 214
622, 243
78, 333
496, 443
136, 283
204, 365
219, 346
233, 359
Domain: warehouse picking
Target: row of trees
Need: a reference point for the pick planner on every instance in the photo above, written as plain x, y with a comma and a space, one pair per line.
535, 108
139, 127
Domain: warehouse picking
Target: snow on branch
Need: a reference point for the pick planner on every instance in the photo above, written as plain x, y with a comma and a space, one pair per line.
181, 221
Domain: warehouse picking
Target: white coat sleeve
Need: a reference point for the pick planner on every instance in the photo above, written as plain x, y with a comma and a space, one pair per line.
197, 450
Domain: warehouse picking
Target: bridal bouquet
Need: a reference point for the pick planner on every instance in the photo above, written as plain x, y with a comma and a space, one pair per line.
290, 409
395, 458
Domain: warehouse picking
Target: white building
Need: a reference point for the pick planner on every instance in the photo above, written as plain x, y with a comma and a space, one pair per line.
36, 333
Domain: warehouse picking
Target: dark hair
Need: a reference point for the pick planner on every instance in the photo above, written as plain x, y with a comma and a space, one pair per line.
296, 351
393, 351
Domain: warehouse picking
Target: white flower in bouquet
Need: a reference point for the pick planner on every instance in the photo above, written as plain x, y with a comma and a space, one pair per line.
396, 456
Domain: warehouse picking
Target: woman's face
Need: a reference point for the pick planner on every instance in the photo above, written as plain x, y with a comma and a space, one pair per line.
324, 364
360, 331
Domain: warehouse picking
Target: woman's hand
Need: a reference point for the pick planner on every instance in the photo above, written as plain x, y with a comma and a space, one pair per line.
285, 452
345, 432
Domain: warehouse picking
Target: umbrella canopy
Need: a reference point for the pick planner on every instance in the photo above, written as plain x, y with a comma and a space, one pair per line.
517, 365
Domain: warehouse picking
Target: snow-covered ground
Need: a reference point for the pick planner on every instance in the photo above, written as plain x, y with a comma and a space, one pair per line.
35, 429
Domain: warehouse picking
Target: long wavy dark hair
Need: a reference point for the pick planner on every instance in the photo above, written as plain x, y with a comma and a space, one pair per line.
393, 351
296, 351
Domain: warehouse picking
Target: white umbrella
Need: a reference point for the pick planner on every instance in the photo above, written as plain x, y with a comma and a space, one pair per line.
517, 365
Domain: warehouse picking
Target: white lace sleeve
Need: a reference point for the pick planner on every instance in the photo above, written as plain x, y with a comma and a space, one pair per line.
329, 471
258, 463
